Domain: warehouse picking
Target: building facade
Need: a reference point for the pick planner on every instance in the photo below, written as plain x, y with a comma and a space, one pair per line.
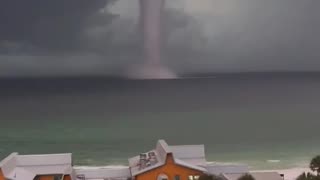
169, 162
164, 162
36, 167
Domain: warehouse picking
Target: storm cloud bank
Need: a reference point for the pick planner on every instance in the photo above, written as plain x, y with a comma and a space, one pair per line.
200, 36
50, 25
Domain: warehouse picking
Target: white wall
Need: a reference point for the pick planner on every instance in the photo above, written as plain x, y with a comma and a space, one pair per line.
9, 164
104, 173
52, 169
50, 159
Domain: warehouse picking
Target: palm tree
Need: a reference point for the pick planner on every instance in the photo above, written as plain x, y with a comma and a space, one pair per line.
246, 177
305, 176
315, 165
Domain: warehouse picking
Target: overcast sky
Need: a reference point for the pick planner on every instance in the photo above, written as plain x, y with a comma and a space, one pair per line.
46, 37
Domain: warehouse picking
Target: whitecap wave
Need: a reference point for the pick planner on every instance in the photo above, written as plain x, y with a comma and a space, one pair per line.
273, 161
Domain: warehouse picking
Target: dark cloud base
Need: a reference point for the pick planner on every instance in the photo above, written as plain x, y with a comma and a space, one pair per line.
51, 24
60, 38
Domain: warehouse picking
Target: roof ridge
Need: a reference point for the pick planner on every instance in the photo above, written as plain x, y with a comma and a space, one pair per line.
165, 146
186, 145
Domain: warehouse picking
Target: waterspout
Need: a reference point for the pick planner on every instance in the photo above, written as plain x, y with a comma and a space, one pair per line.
151, 19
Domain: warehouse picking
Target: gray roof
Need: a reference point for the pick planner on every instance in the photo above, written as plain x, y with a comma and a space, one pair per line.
135, 169
193, 154
188, 156
25, 167
256, 175
188, 165
161, 151
227, 168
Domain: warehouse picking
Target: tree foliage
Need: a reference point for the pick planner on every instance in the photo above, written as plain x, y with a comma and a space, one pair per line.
246, 177
315, 165
307, 176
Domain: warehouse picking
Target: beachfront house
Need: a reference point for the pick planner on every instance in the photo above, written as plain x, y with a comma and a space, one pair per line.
164, 162
169, 162
36, 167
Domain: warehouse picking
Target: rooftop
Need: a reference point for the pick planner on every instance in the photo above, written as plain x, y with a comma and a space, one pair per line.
26, 167
22, 167
191, 156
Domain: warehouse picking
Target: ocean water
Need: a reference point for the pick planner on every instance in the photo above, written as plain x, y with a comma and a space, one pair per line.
266, 121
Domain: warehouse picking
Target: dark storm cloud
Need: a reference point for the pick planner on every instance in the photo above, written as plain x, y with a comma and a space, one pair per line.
50, 24
257, 35
232, 35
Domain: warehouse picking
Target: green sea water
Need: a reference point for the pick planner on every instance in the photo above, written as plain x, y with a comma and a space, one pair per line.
268, 124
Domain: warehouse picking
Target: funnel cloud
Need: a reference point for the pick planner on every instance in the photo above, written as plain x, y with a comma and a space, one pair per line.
151, 21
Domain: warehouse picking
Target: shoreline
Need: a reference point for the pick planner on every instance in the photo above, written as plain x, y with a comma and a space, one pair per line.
289, 174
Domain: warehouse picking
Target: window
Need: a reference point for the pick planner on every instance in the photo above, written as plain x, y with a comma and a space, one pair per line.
57, 177
176, 177
81, 177
162, 177
51, 177
191, 177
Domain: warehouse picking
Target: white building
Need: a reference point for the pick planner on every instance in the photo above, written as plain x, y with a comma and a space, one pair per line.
186, 157
37, 167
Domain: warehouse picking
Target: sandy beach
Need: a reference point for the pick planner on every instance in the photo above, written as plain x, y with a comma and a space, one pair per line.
289, 174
